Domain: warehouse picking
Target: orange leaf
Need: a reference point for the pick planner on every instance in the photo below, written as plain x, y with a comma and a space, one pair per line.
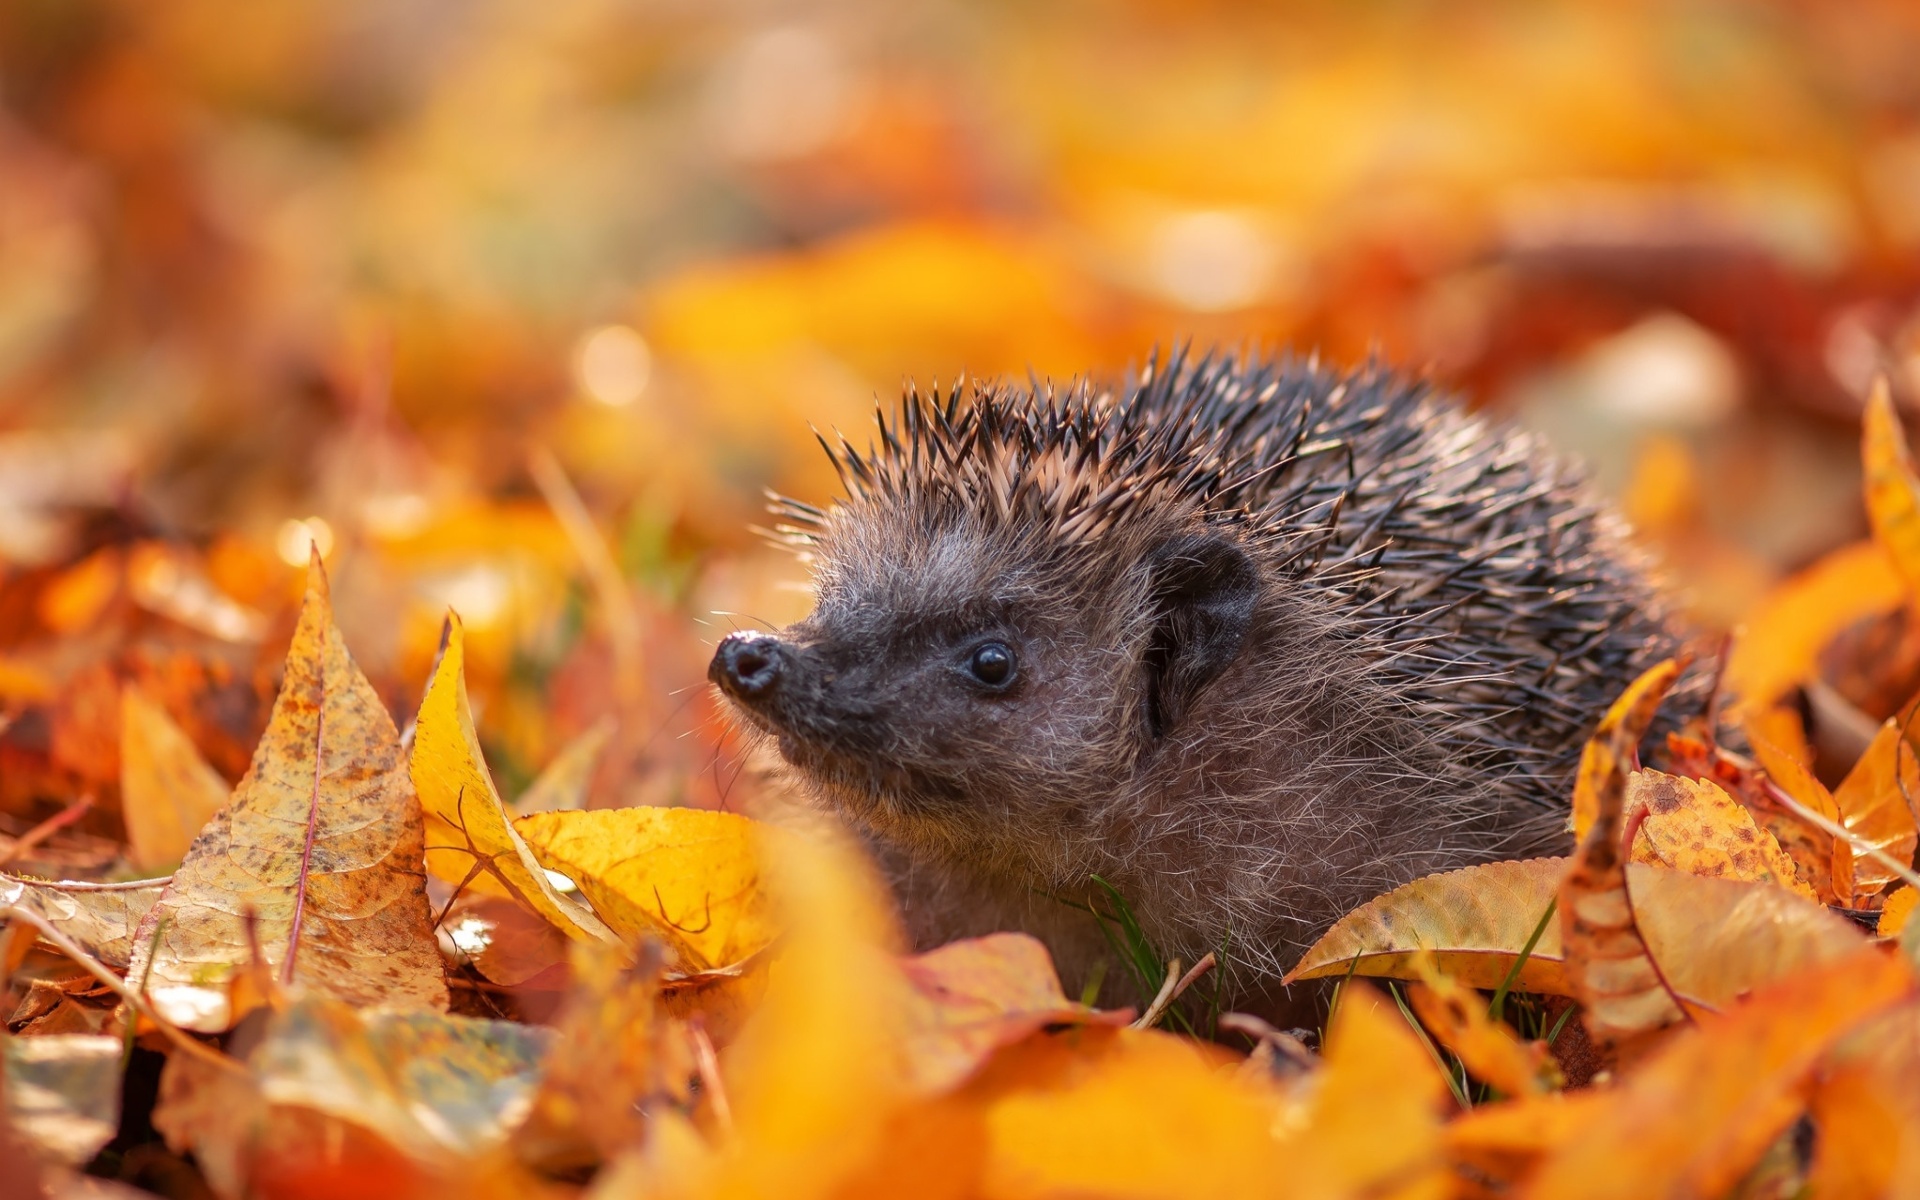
1692, 825
321, 841
973, 996
1896, 913
1781, 644
1824, 860
1866, 1109
1457, 1018
1875, 804
1607, 964
1698, 1113
1609, 753
1892, 491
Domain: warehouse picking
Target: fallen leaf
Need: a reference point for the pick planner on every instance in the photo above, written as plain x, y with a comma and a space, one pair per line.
1866, 1111
102, 917
1875, 804
500, 938
688, 876
1622, 995
470, 840
62, 1093
973, 996
76, 1004
1692, 825
1892, 491
1779, 646
1493, 1053
1715, 938
1897, 911
1501, 1144
1825, 861
1612, 749
562, 786
616, 1061
321, 841
1702, 1108
167, 791
414, 1100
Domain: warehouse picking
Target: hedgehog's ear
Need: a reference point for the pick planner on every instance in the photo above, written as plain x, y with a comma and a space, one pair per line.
1205, 590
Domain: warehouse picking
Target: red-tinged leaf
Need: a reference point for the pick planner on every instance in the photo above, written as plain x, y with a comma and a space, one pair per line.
1698, 1113
969, 998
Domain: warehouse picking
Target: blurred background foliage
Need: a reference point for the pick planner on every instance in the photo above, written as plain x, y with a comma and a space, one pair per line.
518, 307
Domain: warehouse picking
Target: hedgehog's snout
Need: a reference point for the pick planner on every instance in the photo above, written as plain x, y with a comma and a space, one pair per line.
749, 666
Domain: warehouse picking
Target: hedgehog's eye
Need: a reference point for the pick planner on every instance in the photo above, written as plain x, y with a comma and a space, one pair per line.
991, 664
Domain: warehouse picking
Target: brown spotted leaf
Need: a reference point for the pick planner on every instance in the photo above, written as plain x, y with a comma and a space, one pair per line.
321, 840
1692, 825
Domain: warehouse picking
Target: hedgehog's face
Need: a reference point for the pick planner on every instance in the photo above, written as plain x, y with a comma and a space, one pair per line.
947, 688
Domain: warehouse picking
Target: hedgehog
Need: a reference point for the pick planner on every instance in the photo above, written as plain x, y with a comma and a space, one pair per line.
1246, 640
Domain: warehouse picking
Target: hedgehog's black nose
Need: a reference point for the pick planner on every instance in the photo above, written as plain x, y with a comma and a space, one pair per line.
748, 665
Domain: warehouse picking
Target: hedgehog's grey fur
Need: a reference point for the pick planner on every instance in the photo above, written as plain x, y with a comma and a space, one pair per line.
1287, 638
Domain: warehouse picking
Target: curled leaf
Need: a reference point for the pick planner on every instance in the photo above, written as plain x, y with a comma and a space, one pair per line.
470, 838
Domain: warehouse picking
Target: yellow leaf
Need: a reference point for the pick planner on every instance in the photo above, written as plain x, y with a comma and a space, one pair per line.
1502, 1143
167, 791
1692, 825
1715, 939
470, 840
1892, 492
1609, 753
1457, 1018
688, 876
1698, 1113
1875, 804
321, 842
1781, 643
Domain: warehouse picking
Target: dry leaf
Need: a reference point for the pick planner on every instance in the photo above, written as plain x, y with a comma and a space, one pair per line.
167, 791
62, 1093
1781, 642
1866, 1111
414, 1100
1875, 804
500, 938
1617, 983
321, 842
688, 876
973, 996
1892, 491
617, 1060
1692, 825
1500, 1144
1698, 1113
102, 917
1613, 749
1824, 861
470, 840
562, 786
1714, 938
1457, 1018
